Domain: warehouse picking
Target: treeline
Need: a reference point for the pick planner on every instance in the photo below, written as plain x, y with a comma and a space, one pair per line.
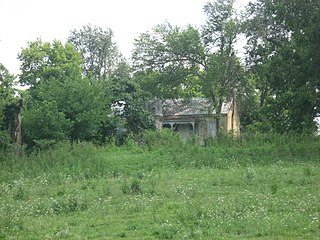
85, 90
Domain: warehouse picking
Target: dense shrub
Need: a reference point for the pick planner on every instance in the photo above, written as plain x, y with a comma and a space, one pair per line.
5, 143
161, 139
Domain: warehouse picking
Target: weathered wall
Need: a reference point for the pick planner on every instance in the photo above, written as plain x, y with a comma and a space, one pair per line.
185, 131
203, 133
223, 122
233, 120
212, 127
158, 122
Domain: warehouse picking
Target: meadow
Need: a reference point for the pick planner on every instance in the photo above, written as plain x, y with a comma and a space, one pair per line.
256, 188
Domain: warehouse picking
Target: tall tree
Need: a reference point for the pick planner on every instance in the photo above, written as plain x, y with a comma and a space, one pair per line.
65, 103
182, 62
224, 73
99, 52
103, 61
42, 61
282, 37
167, 61
9, 109
220, 31
6, 91
130, 100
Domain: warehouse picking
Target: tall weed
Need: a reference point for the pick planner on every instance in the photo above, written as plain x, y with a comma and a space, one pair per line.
159, 149
164, 138
64, 159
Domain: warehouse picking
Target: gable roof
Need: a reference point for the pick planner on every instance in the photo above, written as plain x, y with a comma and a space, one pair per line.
193, 106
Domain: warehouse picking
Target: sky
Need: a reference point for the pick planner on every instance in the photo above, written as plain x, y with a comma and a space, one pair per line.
26, 20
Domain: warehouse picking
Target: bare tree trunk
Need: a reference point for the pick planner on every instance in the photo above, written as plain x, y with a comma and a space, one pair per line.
18, 135
217, 103
13, 119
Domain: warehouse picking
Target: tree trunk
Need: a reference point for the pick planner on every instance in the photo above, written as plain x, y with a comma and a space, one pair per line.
13, 119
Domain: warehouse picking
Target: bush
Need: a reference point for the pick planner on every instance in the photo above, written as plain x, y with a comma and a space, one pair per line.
43, 123
5, 143
161, 138
223, 138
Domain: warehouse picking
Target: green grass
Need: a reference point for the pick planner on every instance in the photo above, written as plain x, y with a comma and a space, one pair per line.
246, 191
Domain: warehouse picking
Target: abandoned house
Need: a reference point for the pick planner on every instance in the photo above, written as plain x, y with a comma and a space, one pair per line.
196, 117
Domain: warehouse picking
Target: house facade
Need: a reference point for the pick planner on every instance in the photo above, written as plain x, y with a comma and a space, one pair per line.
196, 117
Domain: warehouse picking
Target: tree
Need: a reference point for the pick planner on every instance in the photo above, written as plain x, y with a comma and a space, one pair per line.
102, 61
45, 61
8, 103
61, 100
43, 122
131, 101
81, 102
99, 52
137, 109
6, 91
220, 31
167, 61
282, 37
173, 62
224, 73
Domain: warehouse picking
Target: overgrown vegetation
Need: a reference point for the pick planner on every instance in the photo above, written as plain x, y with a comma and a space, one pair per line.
85, 90
90, 167
261, 187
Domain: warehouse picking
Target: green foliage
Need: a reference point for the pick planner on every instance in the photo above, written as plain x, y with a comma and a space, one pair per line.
278, 94
163, 138
167, 61
134, 188
6, 88
5, 142
173, 62
221, 27
223, 77
83, 105
223, 74
99, 52
44, 121
8, 101
137, 112
131, 104
281, 39
45, 61
250, 106
62, 104
69, 205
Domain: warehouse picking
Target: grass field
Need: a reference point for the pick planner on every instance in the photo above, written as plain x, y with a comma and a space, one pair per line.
266, 190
